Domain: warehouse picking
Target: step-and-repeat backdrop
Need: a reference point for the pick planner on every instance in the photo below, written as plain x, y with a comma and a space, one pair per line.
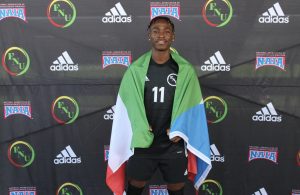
61, 66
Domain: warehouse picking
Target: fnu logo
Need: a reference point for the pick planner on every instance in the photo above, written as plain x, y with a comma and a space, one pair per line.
217, 13
69, 189
65, 110
210, 186
21, 154
15, 61
216, 109
61, 13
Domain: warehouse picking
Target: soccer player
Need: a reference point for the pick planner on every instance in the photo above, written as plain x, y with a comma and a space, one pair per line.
159, 116
167, 155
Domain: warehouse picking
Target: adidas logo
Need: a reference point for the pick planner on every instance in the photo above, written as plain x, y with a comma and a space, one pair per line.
110, 113
215, 63
267, 113
64, 63
116, 14
146, 78
274, 15
67, 156
215, 154
261, 191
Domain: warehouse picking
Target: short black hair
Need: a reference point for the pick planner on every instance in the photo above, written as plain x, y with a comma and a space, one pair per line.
154, 20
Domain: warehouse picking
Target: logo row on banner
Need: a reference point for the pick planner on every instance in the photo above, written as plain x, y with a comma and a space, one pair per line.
63, 13
65, 110
21, 154
16, 61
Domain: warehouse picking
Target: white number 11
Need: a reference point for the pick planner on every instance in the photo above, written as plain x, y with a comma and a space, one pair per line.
162, 94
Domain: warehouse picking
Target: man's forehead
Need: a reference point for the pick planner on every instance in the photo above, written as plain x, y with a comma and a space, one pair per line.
161, 22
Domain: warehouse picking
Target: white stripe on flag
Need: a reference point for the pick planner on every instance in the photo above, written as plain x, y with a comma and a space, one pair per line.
278, 9
119, 149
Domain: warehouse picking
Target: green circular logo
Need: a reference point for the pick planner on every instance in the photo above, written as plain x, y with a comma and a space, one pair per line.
15, 61
69, 189
61, 13
21, 154
217, 13
209, 187
216, 109
65, 110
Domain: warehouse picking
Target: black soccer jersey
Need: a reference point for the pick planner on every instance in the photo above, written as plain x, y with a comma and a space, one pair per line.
160, 85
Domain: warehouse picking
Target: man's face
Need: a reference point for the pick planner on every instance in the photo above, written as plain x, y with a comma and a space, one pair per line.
161, 35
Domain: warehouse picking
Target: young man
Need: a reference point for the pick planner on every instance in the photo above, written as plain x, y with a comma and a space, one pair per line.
159, 113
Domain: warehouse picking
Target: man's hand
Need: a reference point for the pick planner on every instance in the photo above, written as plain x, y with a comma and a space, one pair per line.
174, 139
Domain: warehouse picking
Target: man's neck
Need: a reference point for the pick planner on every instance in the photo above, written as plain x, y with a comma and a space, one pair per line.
160, 57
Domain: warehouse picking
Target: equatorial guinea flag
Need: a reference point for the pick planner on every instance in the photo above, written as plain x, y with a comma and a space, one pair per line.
130, 127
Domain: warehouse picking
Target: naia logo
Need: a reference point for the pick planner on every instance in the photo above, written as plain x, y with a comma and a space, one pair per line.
116, 58
106, 152
158, 190
171, 9
295, 192
18, 107
13, 11
266, 153
22, 191
276, 59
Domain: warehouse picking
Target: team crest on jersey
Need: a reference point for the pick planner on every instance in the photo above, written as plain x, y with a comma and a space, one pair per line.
13, 10
18, 107
171, 9
266, 153
171, 79
116, 58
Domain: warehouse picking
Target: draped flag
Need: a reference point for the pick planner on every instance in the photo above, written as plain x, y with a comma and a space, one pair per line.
130, 127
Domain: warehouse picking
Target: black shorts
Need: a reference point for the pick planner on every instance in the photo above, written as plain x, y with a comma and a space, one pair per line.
174, 170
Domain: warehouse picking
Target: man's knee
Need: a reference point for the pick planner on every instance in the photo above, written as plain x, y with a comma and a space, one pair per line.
135, 187
176, 189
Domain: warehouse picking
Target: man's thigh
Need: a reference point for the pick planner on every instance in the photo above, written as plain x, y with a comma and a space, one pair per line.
174, 170
141, 168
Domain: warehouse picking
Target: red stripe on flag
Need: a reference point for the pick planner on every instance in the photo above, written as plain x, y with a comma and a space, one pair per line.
116, 180
192, 166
